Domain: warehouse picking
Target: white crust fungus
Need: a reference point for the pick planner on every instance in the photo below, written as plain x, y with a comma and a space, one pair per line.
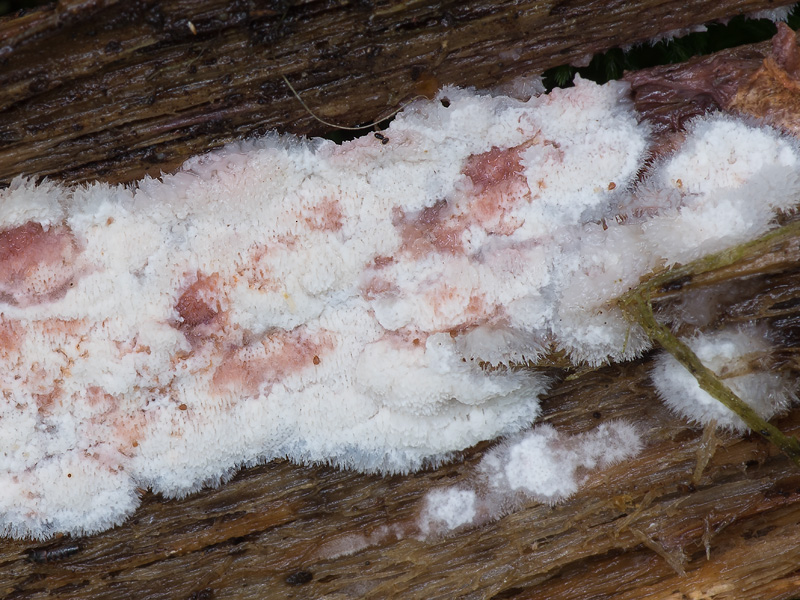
340, 304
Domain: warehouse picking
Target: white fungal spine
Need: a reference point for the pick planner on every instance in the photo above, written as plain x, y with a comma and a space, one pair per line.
336, 304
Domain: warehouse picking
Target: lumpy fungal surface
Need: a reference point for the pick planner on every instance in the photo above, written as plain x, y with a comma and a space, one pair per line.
354, 305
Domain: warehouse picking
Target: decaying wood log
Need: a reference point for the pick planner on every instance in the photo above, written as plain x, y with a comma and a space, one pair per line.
97, 89
108, 89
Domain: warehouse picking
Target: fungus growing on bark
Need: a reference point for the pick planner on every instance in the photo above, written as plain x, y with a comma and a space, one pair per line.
358, 305
737, 357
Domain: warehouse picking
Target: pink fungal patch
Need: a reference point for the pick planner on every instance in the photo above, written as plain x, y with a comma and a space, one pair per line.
36, 264
432, 229
378, 287
257, 269
494, 167
45, 402
248, 370
97, 398
407, 338
458, 309
325, 216
499, 186
199, 303
11, 333
477, 309
126, 427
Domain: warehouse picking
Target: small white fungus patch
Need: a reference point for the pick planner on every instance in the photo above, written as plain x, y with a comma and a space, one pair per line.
734, 356
447, 509
549, 466
542, 464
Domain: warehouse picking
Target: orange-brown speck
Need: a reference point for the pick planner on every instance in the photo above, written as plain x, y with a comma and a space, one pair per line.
611, 186
382, 261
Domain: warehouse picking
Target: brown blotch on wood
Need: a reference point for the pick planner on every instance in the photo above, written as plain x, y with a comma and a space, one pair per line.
772, 93
425, 84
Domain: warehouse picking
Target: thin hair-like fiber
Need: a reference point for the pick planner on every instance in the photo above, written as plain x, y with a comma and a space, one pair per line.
346, 127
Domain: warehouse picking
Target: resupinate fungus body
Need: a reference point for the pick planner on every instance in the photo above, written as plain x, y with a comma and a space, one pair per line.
354, 304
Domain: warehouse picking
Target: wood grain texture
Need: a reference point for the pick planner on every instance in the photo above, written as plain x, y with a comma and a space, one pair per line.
107, 89
656, 527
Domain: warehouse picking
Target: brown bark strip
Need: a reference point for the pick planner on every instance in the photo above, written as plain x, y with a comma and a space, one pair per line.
101, 89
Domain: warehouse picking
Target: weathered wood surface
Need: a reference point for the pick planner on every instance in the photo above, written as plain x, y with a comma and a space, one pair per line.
656, 527
112, 89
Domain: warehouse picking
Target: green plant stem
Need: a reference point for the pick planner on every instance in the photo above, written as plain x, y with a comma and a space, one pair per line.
637, 306
716, 261
641, 310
